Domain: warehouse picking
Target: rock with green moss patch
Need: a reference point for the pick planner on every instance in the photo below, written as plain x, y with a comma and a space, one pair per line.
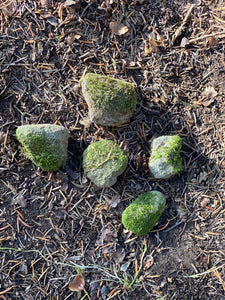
144, 212
44, 144
103, 162
165, 160
111, 102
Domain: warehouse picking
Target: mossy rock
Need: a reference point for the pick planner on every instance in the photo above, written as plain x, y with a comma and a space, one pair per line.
44, 144
103, 162
144, 212
165, 160
111, 102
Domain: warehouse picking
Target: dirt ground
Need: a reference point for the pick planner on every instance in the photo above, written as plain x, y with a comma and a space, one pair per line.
56, 225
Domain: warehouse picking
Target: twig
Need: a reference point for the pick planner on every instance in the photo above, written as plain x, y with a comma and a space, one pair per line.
206, 272
205, 36
179, 31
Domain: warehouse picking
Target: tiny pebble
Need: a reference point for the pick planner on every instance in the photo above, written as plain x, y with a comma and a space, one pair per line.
104, 292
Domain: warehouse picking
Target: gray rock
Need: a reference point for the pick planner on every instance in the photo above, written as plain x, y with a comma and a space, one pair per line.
111, 102
44, 144
144, 212
103, 162
165, 160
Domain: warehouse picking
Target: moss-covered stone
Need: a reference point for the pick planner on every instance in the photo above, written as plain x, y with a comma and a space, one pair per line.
44, 144
103, 162
165, 160
144, 212
111, 102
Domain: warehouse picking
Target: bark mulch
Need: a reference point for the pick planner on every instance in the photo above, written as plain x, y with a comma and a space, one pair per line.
54, 226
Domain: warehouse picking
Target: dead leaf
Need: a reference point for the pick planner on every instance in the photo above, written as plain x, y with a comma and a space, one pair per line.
49, 18
72, 37
20, 200
77, 284
151, 46
114, 201
149, 261
86, 122
119, 255
208, 94
106, 235
72, 6
118, 28
212, 42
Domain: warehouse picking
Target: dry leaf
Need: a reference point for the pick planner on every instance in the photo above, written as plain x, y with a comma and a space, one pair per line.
209, 94
86, 122
72, 6
149, 261
212, 42
72, 37
77, 284
118, 28
114, 201
119, 255
151, 46
20, 200
106, 235
8, 7
49, 18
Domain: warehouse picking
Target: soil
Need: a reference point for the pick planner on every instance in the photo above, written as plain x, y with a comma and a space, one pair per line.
54, 226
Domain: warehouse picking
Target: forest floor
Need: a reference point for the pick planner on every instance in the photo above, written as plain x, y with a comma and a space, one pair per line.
56, 225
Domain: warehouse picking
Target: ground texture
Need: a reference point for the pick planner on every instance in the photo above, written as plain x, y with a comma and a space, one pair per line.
55, 225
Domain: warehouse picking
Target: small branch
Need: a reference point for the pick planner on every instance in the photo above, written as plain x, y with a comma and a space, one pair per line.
179, 31
206, 36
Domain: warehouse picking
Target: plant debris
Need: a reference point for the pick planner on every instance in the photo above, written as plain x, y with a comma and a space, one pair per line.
173, 53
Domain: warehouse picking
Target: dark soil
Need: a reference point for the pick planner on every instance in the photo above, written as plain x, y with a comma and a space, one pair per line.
55, 225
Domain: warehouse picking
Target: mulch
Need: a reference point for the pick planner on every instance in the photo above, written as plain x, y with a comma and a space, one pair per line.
54, 226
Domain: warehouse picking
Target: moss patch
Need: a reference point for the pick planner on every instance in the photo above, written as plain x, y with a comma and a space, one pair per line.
43, 150
144, 212
103, 161
110, 94
165, 156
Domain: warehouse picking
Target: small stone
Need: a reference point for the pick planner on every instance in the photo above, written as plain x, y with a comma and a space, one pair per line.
44, 144
111, 102
103, 162
144, 212
104, 291
165, 160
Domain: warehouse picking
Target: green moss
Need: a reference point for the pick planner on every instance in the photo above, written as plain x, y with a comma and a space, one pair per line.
173, 154
170, 153
40, 151
144, 212
104, 153
110, 94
